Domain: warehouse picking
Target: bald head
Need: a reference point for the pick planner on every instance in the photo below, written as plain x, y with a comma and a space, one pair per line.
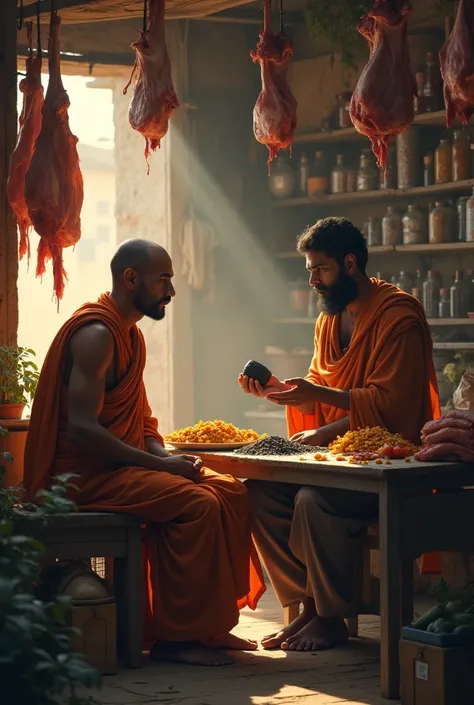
139, 255
141, 275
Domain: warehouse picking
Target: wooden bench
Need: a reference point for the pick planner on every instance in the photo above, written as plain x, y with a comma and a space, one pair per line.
85, 535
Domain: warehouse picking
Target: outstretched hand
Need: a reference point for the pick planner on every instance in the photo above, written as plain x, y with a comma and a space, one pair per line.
298, 392
251, 386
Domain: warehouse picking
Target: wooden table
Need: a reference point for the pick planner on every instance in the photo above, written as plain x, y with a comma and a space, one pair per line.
409, 523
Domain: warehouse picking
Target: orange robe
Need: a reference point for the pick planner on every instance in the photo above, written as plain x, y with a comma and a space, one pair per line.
388, 368
200, 564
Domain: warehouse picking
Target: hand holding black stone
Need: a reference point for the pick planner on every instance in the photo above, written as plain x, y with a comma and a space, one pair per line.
255, 370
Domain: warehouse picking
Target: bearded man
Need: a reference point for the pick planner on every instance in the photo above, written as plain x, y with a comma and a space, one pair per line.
372, 366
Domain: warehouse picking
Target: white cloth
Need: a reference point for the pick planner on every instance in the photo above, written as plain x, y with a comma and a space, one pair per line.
198, 241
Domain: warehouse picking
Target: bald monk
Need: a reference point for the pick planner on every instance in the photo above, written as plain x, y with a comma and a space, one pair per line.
372, 366
91, 417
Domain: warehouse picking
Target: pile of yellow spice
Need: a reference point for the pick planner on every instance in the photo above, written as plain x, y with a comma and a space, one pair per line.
212, 432
369, 440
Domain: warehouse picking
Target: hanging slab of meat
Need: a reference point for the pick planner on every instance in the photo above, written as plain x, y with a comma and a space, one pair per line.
274, 114
29, 129
154, 99
54, 187
382, 104
457, 66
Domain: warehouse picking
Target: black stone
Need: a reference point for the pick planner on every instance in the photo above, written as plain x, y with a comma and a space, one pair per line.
255, 370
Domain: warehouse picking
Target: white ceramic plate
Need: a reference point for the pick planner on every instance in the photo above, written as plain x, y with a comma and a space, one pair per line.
208, 446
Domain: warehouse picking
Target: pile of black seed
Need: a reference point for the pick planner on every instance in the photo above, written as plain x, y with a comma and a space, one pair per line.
274, 445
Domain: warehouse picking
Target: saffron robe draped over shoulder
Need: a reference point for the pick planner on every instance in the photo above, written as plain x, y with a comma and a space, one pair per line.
388, 368
200, 564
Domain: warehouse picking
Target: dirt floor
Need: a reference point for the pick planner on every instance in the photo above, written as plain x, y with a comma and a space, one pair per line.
347, 675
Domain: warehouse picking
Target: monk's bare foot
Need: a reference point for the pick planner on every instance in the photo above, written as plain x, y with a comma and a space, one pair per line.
231, 642
318, 635
191, 652
273, 641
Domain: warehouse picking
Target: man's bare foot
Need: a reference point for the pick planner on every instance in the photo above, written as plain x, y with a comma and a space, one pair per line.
272, 641
191, 652
232, 642
318, 635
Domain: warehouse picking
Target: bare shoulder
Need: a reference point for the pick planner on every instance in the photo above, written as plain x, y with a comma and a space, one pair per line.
92, 343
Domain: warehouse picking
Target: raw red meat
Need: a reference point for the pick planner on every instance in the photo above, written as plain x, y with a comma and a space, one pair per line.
274, 114
457, 66
445, 451
154, 99
382, 104
29, 129
445, 422
54, 187
460, 414
451, 435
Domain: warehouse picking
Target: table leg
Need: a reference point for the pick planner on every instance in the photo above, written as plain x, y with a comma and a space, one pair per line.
128, 585
290, 613
390, 591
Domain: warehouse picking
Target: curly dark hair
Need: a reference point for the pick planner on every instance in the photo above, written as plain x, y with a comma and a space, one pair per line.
337, 238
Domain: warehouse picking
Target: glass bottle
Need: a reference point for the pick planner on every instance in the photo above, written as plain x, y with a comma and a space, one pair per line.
428, 170
351, 176
470, 218
470, 290
419, 100
461, 156
392, 228
374, 232
431, 90
461, 207
388, 176
444, 307
441, 224
282, 178
458, 296
343, 117
318, 182
418, 280
414, 227
339, 176
367, 175
303, 175
444, 163
431, 295
405, 282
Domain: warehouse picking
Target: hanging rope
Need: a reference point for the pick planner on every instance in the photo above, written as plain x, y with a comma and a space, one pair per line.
145, 15
38, 29
19, 22
281, 17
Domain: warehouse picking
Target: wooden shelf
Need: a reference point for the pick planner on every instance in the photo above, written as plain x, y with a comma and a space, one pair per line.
454, 346
425, 249
350, 134
431, 321
379, 195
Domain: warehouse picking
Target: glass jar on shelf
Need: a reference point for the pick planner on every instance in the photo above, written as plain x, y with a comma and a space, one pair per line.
392, 228
282, 178
470, 218
367, 175
428, 170
430, 296
444, 162
461, 156
339, 176
444, 307
351, 177
458, 296
414, 227
374, 232
405, 282
343, 103
461, 207
442, 220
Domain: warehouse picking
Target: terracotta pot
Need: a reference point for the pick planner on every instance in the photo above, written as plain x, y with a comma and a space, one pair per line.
14, 444
11, 411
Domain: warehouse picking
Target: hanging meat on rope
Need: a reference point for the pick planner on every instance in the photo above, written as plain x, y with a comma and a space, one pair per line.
29, 129
154, 99
382, 105
54, 187
457, 66
274, 114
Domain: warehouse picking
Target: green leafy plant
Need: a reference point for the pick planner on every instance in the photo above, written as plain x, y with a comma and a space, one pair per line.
36, 664
336, 22
454, 371
18, 375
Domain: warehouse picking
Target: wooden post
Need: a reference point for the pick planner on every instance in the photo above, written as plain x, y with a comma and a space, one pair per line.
8, 122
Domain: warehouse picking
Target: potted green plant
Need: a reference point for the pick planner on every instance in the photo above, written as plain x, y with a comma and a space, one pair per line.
18, 380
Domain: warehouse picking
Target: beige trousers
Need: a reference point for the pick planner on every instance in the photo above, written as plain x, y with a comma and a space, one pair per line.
309, 539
